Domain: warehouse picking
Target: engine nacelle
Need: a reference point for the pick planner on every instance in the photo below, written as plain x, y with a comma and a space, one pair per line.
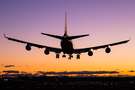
107, 50
90, 53
46, 52
28, 47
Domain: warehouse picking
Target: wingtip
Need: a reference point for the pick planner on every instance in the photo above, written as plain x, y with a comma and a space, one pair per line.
4, 35
129, 38
42, 33
87, 34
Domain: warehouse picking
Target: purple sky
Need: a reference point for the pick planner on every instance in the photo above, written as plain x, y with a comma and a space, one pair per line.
106, 21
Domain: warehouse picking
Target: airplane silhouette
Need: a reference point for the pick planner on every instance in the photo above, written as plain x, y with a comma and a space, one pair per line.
67, 45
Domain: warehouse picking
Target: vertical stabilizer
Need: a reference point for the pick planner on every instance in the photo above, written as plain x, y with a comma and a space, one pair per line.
65, 22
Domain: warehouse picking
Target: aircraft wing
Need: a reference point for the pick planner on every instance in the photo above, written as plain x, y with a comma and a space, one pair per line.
82, 50
53, 49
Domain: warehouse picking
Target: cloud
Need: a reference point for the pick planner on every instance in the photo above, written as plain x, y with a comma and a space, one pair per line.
27, 66
16, 75
78, 72
131, 71
23, 72
9, 66
11, 71
1, 64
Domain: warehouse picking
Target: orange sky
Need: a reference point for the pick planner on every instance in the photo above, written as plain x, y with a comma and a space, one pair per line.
105, 22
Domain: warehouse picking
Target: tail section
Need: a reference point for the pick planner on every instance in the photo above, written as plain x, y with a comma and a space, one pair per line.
71, 37
65, 33
65, 22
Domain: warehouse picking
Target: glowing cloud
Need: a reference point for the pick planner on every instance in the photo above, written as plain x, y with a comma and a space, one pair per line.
9, 66
11, 71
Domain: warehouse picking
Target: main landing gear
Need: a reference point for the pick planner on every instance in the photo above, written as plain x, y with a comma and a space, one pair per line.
57, 56
78, 56
70, 56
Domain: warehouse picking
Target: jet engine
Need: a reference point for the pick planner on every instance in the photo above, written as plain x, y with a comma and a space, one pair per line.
90, 53
28, 47
107, 50
46, 52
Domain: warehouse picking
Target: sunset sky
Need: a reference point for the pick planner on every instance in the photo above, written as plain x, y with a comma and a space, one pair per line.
106, 21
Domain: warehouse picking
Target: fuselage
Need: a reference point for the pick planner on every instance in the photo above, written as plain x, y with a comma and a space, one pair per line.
67, 45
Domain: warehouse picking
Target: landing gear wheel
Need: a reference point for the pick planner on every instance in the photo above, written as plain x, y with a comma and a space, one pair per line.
78, 56
57, 56
70, 56
64, 56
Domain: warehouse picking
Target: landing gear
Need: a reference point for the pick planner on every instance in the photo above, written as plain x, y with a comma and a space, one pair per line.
70, 56
78, 56
64, 56
57, 56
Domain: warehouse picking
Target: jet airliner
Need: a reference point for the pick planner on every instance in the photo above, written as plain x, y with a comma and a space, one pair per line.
67, 45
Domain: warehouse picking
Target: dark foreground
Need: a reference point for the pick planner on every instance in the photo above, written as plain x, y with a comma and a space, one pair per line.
67, 83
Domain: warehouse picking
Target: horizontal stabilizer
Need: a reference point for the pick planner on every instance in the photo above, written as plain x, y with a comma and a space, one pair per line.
55, 36
78, 36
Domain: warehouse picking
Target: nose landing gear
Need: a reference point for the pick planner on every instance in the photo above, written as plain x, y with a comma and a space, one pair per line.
64, 56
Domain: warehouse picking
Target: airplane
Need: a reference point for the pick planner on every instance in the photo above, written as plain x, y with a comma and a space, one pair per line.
67, 45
